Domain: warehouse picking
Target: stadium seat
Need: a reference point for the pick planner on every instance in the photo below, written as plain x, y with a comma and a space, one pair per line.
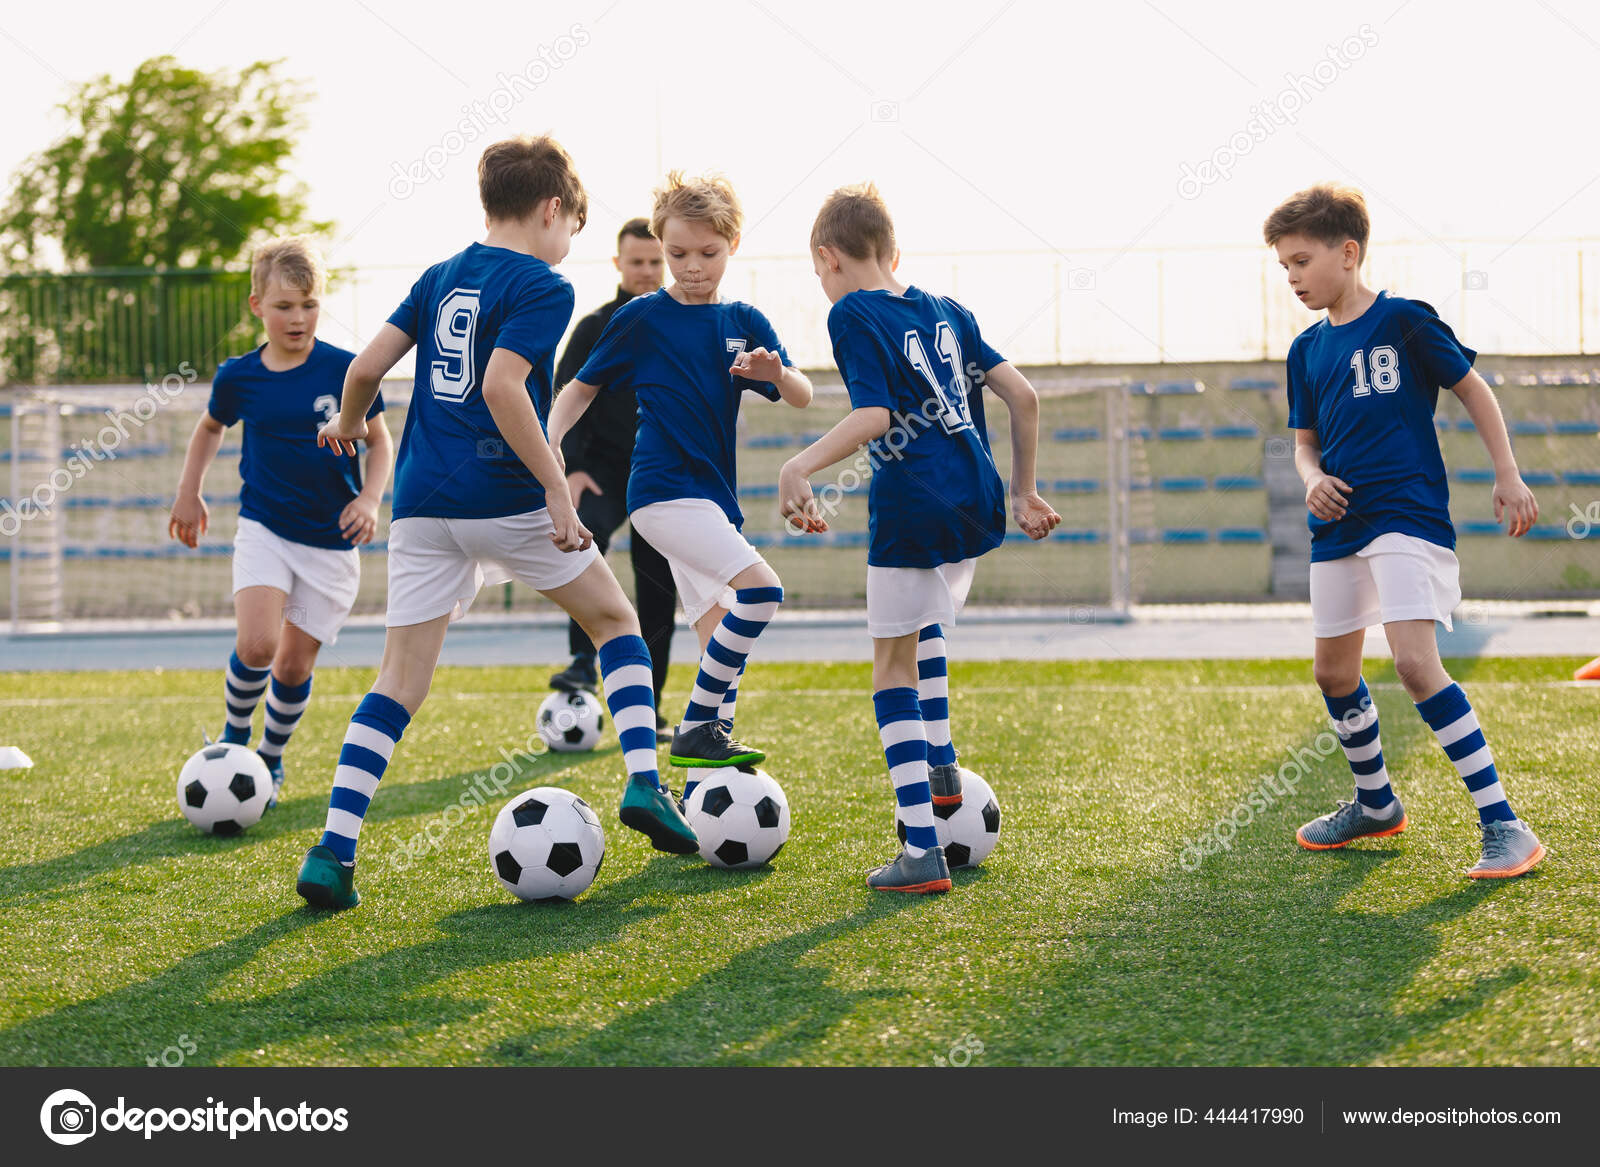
1182, 434
1235, 431
1260, 384
1077, 434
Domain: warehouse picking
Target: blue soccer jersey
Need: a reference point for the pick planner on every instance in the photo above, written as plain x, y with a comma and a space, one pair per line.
289, 485
936, 496
453, 462
675, 357
1369, 389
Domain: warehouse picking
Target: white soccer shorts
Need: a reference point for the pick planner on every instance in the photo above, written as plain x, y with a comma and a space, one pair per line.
319, 583
1394, 577
704, 550
903, 600
436, 566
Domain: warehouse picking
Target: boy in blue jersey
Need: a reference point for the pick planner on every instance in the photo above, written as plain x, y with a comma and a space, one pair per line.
480, 496
909, 360
302, 515
689, 357
1363, 384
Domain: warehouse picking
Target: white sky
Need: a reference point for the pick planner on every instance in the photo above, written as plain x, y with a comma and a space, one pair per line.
1053, 128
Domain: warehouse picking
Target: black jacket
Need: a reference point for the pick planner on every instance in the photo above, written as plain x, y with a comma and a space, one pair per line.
601, 443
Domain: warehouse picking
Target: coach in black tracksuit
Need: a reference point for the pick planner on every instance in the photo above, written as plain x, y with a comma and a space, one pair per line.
598, 452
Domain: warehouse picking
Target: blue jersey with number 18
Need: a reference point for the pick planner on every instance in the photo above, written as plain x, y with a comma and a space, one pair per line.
936, 496
453, 461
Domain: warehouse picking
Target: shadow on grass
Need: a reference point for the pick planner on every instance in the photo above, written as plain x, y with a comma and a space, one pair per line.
175, 837
372, 1003
1267, 955
765, 1006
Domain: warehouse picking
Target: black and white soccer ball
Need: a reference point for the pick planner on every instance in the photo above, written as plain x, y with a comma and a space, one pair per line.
740, 815
967, 832
224, 789
546, 844
569, 722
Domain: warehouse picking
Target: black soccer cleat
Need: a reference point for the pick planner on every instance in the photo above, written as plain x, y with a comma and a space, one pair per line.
711, 745
579, 675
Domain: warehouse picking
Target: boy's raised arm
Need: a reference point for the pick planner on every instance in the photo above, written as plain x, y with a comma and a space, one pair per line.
571, 403
361, 382
855, 429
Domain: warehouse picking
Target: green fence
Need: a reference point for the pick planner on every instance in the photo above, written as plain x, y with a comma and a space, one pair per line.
120, 326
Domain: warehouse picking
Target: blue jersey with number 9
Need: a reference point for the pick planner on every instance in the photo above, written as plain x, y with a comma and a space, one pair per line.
453, 461
936, 496
288, 485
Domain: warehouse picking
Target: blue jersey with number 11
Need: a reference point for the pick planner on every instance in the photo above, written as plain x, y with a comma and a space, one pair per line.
453, 461
936, 496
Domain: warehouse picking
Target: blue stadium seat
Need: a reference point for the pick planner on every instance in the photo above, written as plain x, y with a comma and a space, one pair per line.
1474, 474
1072, 485
1540, 477
1239, 482
1241, 535
1184, 485
1578, 427
1530, 427
1086, 433
1181, 433
1582, 477
1464, 425
1180, 388
768, 441
1235, 431
1261, 384
1185, 535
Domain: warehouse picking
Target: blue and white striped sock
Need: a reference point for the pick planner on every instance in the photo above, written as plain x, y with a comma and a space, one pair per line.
725, 712
625, 676
905, 748
285, 704
242, 689
375, 730
933, 691
728, 649
730, 698
1449, 714
1355, 720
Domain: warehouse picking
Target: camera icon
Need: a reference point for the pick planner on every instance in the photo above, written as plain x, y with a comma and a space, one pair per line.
68, 1117
1081, 279
491, 449
1081, 616
1475, 281
1280, 448
885, 111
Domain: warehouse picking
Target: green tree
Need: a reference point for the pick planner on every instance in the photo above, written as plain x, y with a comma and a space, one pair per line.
171, 168
111, 236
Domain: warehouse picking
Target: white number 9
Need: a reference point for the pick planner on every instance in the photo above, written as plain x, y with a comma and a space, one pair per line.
453, 377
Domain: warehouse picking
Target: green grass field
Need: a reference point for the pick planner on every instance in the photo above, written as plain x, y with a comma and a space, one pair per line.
1082, 940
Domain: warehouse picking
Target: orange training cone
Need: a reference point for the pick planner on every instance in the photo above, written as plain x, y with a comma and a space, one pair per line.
1589, 672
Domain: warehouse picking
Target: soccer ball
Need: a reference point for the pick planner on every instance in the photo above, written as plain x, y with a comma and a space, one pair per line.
967, 832
224, 789
546, 845
740, 815
571, 721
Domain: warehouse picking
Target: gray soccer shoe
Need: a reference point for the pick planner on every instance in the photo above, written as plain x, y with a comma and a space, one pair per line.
1509, 848
927, 873
945, 782
1348, 824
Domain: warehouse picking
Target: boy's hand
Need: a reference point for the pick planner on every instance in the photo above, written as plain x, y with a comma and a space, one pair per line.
339, 439
189, 520
1324, 499
797, 505
569, 533
358, 522
578, 482
1036, 517
1515, 501
758, 365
